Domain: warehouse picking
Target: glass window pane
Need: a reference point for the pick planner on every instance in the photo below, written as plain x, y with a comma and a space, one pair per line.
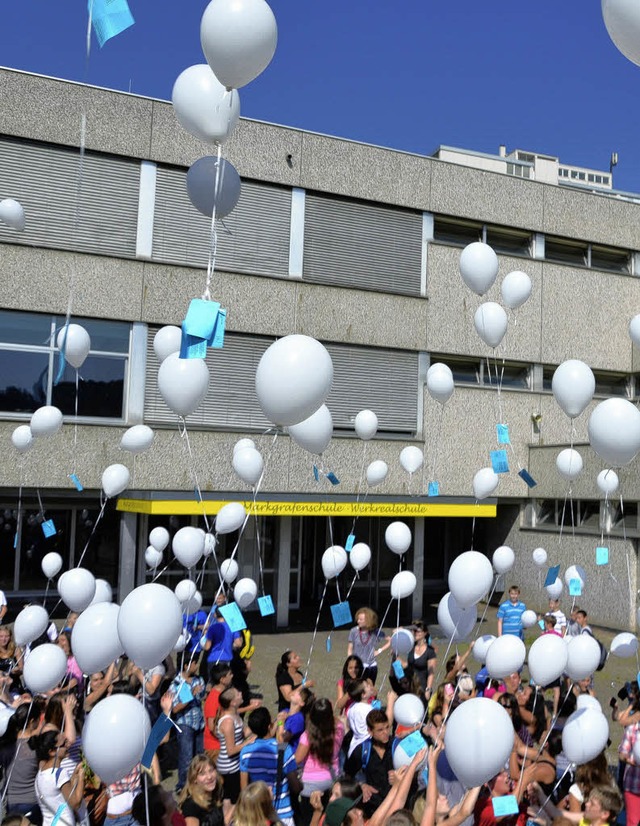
509, 241
101, 556
23, 381
608, 258
34, 545
458, 232
100, 389
25, 328
611, 384
108, 336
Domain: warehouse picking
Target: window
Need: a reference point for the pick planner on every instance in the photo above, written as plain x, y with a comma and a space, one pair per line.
518, 170
565, 251
487, 372
29, 366
612, 384
456, 231
610, 258
509, 241
584, 516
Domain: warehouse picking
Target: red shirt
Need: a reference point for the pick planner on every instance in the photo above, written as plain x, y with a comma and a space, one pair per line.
211, 705
483, 814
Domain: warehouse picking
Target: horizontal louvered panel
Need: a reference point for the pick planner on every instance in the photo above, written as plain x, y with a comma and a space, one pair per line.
365, 246
254, 238
385, 381
44, 179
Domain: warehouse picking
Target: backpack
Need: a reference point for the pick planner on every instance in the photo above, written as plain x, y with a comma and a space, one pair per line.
247, 648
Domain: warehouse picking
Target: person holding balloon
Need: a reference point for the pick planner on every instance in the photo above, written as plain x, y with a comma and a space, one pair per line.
367, 641
422, 658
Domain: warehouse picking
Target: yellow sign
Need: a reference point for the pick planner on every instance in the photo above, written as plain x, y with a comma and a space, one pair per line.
177, 507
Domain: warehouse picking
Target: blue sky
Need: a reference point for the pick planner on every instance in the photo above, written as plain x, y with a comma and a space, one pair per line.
541, 76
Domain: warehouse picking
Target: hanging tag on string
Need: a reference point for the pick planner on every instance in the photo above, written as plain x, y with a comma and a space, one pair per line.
505, 805
602, 556
348, 545
499, 461
76, 481
316, 473
265, 604
48, 528
526, 477
433, 489
216, 340
233, 616
341, 613
333, 478
157, 735
328, 645
552, 575
502, 433
398, 670
575, 588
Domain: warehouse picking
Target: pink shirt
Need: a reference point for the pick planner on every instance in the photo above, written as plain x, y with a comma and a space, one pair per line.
316, 772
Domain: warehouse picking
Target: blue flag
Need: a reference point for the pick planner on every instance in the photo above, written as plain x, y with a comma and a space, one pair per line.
109, 18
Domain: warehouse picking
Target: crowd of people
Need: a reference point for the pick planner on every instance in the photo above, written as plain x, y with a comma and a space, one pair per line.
313, 760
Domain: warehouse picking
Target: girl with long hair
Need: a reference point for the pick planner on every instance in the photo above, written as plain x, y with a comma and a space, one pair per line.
201, 799
255, 806
60, 791
352, 669
318, 749
367, 641
288, 678
230, 731
296, 721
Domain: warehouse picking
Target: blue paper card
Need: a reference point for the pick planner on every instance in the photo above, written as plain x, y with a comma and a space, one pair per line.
376, 704
398, 670
217, 339
76, 482
201, 318
348, 545
328, 645
499, 461
316, 473
552, 575
265, 604
333, 478
192, 347
185, 695
505, 805
575, 588
433, 489
341, 613
526, 477
502, 432
15, 540
109, 18
233, 616
541, 624
48, 528
413, 743
602, 556
157, 735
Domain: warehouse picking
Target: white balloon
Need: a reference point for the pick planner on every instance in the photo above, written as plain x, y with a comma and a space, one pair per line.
622, 645
634, 330
152, 557
334, 561
478, 740
76, 342
159, 538
481, 646
137, 439
607, 481
115, 479
503, 559
485, 482
30, 624
12, 213
547, 659
166, 341
360, 556
440, 382
248, 464
528, 618
573, 385
470, 578
213, 183
203, 106
515, 289
117, 719
46, 421
583, 657
614, 431
77, 587
293, 379
398, 538
6, 713
411, 458
377, 473
584, 735
95, 639
569, 464
192, 605
491, 323
149, 623
622, 19
242, 443
408, 710
402, 641
183, 383
478, 267
238, 38
366, 425
230, 518
555, 589
456, 622
185, 590
403, 584
188, 546
51, 564
314, 433
43, 669
575, 572
209, 544
245, 592
181, 643
587, 701
22, 438
104, 593
229, 570
540, 557
506, 655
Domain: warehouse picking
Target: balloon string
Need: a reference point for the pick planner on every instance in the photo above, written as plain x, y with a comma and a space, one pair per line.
315, 630
213, 246
570, 767
93, 530
361, 480
184, 435
436, 450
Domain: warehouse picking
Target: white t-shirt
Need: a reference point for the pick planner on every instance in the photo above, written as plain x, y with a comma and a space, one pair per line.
48, 784
3, 599
357, 717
